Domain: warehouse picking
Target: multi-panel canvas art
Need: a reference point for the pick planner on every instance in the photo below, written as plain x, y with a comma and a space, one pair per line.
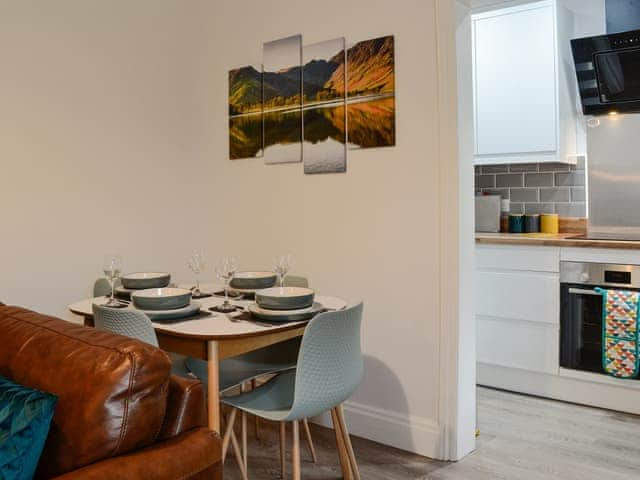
245, 112
282, 100
371, 109
312, 103
323, 96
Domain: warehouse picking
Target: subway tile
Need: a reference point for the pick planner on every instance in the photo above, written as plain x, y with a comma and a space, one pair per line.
503, 192
538, 208
485, 181
554, 167
509, 180
578, 194
495, 168
524, 167
538, 179
571, 209
555, 194
524, 194
516, 208
570, 179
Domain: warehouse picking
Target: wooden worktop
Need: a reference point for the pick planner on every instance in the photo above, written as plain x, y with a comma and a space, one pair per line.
552, 240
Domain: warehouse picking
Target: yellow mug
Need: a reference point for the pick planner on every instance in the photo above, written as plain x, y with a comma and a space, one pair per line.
550, 223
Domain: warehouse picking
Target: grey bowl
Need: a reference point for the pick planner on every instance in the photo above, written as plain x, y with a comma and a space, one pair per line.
161, 298
285, 298
142, 280
253, 280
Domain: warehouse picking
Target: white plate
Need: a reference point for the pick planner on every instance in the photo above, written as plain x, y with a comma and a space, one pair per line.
187, 311
286, 315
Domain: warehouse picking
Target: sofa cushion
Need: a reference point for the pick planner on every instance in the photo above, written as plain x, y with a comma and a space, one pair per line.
112, 390
25, 416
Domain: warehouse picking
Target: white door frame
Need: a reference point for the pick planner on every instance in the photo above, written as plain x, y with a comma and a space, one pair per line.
456, 363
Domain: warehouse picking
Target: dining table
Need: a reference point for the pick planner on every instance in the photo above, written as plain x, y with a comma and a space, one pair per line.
213, 336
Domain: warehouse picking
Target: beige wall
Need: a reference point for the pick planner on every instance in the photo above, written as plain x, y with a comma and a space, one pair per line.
372, 233
101, 142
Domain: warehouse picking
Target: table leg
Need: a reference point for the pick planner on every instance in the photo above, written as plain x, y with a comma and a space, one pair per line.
213, 394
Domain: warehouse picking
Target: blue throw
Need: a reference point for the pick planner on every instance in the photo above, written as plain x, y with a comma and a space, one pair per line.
25, 416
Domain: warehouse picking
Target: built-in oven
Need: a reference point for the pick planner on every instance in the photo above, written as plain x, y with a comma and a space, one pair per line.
581, 310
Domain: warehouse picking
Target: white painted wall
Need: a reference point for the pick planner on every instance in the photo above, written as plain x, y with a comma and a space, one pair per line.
372, 233
101, 143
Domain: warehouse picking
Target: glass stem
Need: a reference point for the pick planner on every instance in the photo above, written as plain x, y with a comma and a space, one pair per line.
281, 281
226, 292
113, 289
197, 284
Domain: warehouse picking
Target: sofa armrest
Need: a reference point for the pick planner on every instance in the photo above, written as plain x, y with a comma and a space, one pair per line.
192, 455
186, 407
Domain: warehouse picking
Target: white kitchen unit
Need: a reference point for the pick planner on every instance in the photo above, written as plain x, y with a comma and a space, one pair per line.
518, 325
523, 81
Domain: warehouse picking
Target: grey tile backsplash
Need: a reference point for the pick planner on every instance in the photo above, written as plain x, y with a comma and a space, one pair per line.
537, 187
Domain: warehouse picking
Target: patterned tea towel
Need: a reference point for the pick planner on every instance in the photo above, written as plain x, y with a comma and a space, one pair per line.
620, 349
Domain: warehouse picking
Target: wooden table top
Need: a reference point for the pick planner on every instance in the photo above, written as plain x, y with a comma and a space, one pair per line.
216, 326
552, 240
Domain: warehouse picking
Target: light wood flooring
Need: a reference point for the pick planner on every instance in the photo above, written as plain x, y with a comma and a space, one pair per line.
522, 438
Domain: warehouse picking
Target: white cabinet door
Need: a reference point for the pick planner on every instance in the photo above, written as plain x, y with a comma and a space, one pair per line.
515, 80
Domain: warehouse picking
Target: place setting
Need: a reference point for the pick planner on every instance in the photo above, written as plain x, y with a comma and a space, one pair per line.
257, 296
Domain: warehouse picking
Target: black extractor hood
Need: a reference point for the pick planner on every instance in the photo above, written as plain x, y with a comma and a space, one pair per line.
608, 66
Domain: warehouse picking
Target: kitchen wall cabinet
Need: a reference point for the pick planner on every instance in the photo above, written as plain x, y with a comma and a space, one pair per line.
523, 82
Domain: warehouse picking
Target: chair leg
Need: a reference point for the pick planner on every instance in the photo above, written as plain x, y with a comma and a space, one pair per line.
307, 434
231, 419
347, 442
238, 454
256, 418
296, 451
283, 449
342, 450
243, 424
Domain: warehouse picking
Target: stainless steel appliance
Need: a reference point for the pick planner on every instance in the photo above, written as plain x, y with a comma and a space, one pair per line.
608, 70
581, 309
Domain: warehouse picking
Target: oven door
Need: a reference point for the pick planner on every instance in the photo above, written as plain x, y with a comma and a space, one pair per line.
581, 327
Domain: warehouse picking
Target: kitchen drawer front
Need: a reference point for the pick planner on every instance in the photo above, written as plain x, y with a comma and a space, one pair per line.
506, 257
516, 344
533, 297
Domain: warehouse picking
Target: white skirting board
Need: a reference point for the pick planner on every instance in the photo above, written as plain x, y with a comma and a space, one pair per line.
406, 432
576, 387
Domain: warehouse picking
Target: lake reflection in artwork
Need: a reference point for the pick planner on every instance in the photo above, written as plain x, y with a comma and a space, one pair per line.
245, 136
283, 136
372, 123
324, 146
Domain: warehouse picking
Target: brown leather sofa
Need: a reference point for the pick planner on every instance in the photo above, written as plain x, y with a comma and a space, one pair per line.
120, 415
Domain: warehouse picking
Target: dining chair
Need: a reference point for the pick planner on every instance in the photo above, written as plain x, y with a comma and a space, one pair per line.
136, 324
101, 287
329, 369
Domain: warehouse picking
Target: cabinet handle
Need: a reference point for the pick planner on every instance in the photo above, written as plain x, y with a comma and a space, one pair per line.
580, 291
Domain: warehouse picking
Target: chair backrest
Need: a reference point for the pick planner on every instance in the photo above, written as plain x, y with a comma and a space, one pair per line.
126, 322
294, 281
330, 364
101, 287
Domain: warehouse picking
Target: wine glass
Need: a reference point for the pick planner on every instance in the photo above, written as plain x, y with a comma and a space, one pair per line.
197, 265
225, 269
282, 265
112, 268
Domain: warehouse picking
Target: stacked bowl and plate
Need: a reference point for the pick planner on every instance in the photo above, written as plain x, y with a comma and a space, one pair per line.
285, 304
150, 293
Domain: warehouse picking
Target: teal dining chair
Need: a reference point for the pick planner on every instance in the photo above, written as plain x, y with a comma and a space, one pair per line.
101, 287
329, 368
136, 324
245, 371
